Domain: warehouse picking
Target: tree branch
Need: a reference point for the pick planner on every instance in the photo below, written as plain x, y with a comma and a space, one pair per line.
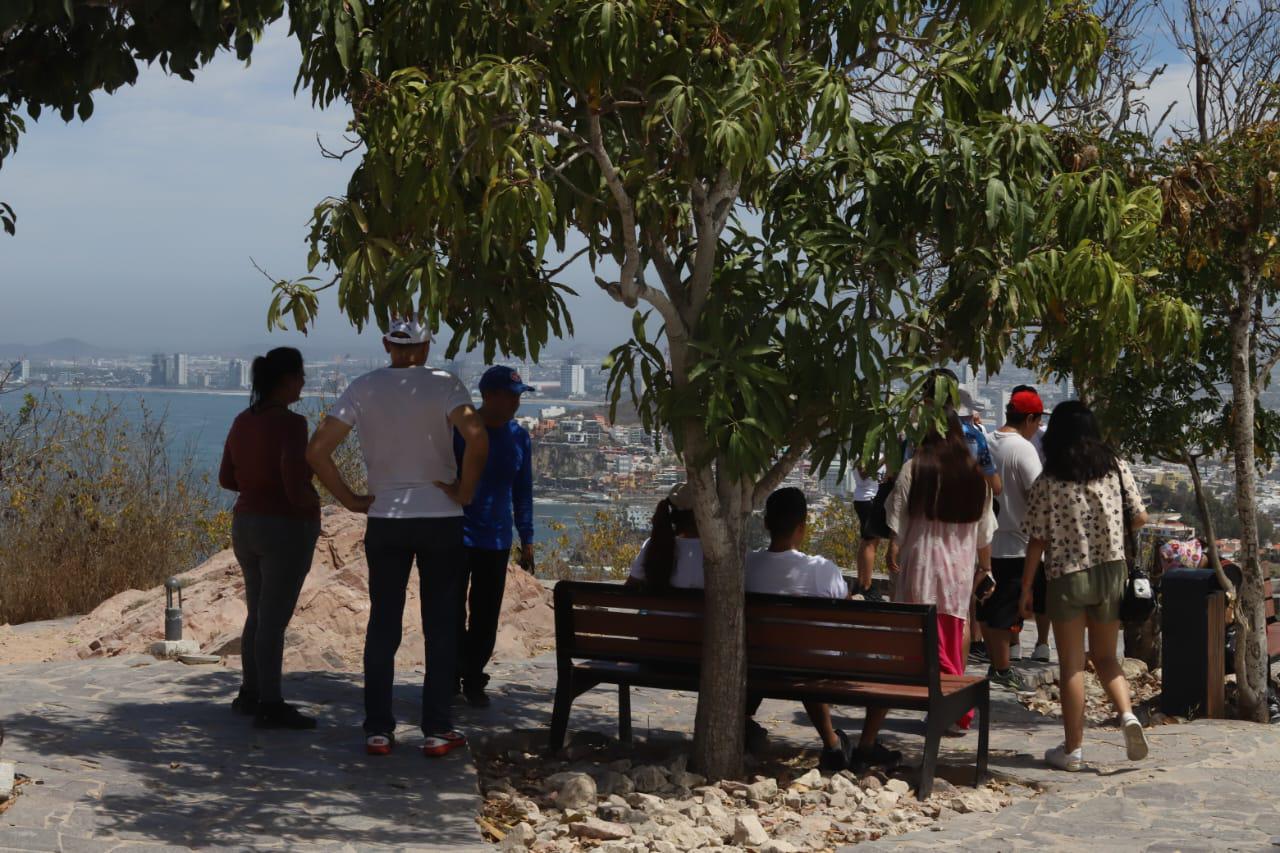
554, 272
628, 289
775, 475
711, 213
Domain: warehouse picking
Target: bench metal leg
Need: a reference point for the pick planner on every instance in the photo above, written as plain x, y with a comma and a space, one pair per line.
984, 731
624, 713
560, 713
937, 723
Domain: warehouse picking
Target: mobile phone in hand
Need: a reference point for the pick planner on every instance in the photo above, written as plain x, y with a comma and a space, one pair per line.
985, 587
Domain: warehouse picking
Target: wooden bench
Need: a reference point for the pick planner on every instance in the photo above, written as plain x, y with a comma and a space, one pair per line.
1215, 703
844, 652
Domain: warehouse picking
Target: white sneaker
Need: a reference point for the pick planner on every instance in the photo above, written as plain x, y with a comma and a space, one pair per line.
1041, 653
1015, 650
1135, 739
1070, 761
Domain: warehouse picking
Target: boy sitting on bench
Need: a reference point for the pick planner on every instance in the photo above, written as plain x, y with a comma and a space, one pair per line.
783, 569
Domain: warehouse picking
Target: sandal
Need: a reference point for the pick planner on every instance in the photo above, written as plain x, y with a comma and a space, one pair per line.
439, 745
379, 744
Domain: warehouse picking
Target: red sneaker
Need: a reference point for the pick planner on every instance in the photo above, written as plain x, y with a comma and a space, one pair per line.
379, 744
439, 745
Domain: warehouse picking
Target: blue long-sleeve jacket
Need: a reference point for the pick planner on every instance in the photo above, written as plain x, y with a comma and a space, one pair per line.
505, 492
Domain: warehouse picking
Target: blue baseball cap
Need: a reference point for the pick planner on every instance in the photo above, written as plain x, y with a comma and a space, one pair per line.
505, 379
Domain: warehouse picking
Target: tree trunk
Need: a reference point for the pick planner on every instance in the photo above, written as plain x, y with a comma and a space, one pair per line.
720, 722
1252, 670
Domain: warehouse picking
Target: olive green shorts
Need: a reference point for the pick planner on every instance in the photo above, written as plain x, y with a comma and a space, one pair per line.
1095, 592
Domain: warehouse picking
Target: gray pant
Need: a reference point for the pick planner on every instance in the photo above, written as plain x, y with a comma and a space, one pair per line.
275, 555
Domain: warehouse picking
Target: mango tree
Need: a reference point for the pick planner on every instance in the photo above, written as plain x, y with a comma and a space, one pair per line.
802, 203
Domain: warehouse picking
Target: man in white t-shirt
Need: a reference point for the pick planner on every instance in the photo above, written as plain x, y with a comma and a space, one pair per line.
405, 415
1019, 466
783, 569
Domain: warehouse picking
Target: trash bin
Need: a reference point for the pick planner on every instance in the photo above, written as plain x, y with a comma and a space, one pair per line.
1185, 643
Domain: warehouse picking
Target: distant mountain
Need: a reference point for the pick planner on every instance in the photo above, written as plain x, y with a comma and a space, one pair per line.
64, 348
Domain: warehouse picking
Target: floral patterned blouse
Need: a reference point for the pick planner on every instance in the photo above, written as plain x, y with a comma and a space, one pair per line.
1082, 524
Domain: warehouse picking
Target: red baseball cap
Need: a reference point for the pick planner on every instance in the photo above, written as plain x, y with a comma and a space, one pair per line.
1026, 403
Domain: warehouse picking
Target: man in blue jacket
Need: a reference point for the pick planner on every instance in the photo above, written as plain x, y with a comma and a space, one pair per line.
503, 496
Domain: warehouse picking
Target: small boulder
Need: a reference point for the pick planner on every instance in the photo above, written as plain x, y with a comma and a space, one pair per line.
887, 799
763, 790
613, 782
600, 830
575, 791
519, 837
748, 832
685, 779
812, 779
898, 785
777, 845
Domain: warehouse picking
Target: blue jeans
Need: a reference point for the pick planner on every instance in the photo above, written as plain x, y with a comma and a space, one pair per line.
391, 545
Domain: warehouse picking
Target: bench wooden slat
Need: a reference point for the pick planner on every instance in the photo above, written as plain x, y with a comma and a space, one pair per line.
841, 638
631, 648
836, 612
849, 666
654, 625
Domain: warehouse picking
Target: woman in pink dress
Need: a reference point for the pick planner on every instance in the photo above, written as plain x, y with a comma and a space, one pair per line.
941, 513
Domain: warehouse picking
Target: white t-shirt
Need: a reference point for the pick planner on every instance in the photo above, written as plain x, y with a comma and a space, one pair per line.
402, 417
865, 488
794, 573
1019, 465
687, 573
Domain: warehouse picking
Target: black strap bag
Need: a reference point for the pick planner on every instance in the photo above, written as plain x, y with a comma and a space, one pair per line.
1139, 595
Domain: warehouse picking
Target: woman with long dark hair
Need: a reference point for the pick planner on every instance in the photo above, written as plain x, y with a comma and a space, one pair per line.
672, 555
941, 513
1076, 516
274, 528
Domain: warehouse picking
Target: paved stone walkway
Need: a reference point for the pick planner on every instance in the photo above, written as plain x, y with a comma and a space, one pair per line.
132, 753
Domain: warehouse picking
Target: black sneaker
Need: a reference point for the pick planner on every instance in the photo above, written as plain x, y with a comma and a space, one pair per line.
757, 737
835, 760
978, 654
282, 715
1007, 679
878, 755
245, 704
476, 697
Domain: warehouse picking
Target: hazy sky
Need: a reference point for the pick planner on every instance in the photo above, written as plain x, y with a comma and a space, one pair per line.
136, 229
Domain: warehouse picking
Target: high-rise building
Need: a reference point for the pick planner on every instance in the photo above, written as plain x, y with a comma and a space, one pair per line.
238, 374
179, 375
19, 371
159, 369
573, 379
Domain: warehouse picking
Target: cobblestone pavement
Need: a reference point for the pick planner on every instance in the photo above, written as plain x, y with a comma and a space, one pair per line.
138, 754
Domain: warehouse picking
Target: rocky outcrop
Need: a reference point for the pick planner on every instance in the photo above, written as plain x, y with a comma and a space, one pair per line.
327, 632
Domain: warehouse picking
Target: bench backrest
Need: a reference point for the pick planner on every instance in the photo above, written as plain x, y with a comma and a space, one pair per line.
859, 640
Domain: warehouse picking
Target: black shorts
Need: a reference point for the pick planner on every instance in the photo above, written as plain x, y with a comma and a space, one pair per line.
1000, 611
871, 514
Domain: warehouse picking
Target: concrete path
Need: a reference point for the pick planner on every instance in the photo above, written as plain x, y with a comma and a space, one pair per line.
128, 753
131, 753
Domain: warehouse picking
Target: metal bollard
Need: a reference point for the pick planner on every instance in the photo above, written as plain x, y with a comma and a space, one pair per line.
172, 615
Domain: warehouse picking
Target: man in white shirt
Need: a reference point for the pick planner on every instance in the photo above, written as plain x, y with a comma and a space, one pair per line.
1019, 467
783, 569
405, 415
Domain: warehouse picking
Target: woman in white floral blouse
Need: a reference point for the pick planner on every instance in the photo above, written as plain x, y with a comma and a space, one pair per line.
1075, 518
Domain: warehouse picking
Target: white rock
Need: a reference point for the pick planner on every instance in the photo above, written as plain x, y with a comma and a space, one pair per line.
640, 800
779, 846
841, 784
601, 830
897, 785
748, 831
812, 779
663, 847
576, 791
764, 789
887, 799
838, 801
519, 837
648, 778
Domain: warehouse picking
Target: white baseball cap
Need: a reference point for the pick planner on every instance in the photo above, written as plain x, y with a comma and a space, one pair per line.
407, 331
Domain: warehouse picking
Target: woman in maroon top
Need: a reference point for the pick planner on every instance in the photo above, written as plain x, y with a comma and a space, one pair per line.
274, 529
